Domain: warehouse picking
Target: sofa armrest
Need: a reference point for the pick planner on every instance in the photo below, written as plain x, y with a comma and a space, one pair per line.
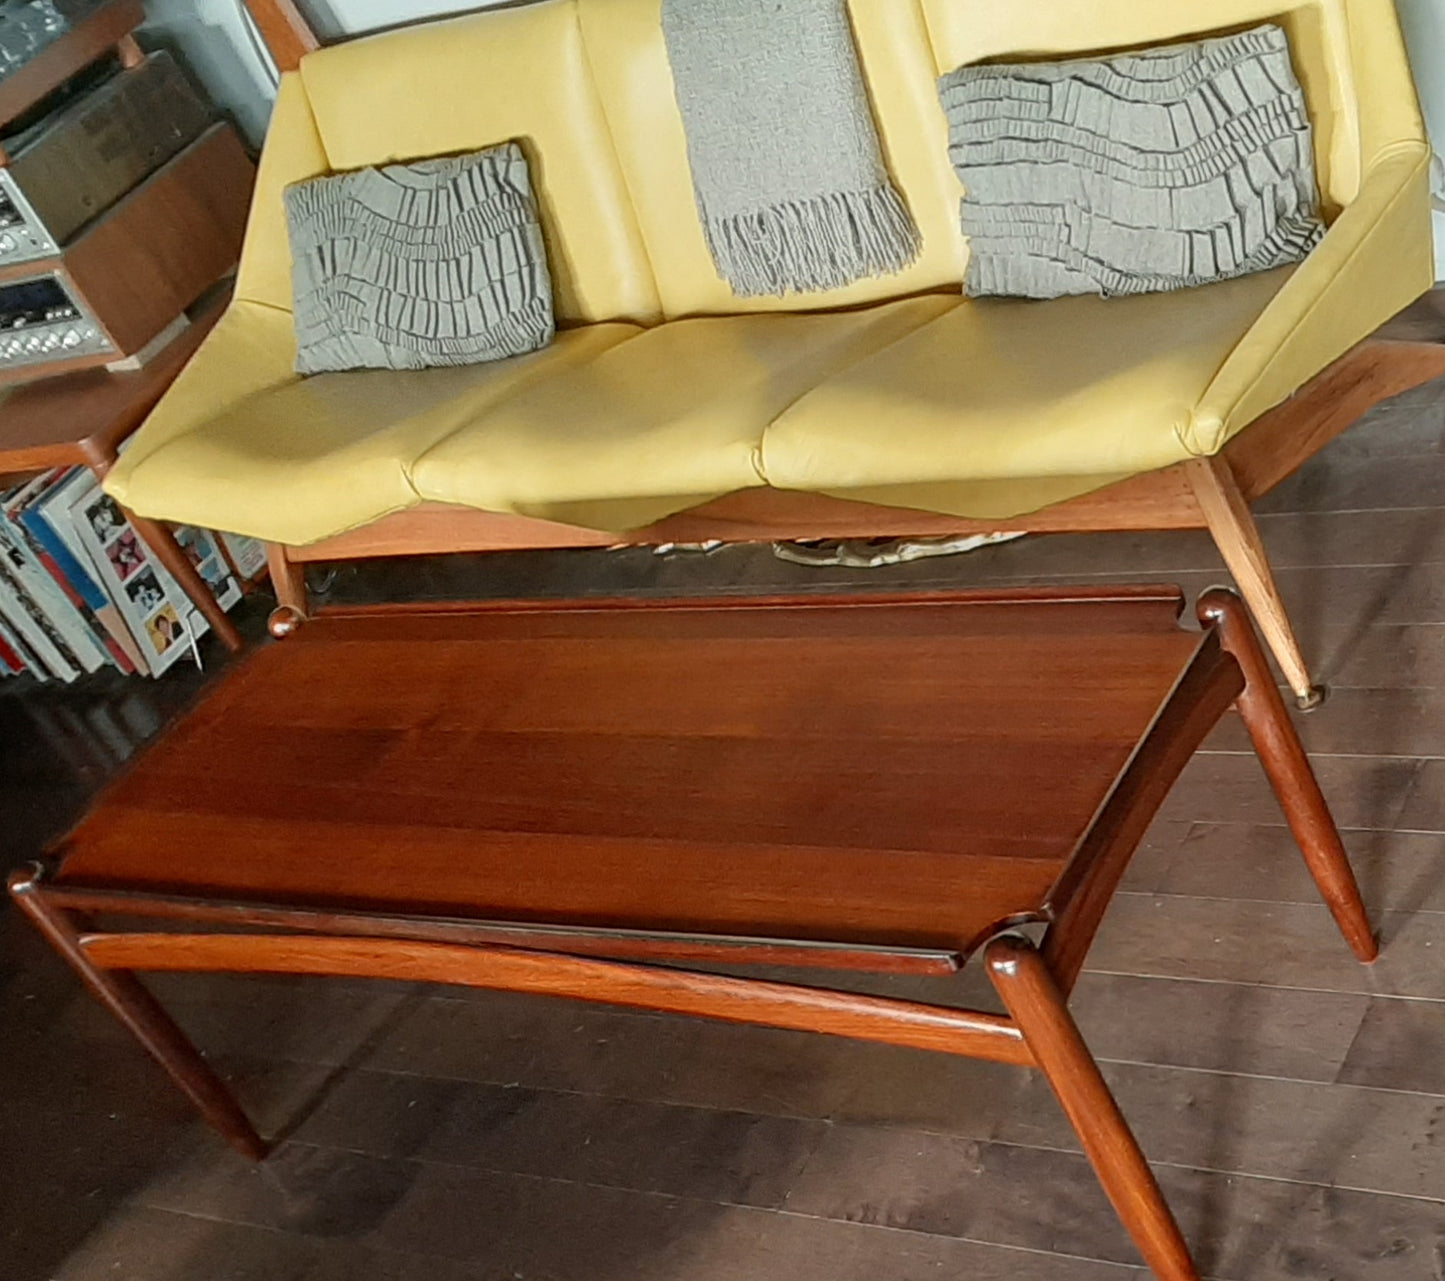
1375, 260
252, 348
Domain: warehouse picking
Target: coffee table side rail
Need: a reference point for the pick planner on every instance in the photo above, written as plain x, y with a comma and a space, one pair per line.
573, 940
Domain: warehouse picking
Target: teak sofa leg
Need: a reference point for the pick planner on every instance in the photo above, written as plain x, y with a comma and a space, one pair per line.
163, 545
1290, 772
1237, 536
141, 1015
1039, 1008
288, 581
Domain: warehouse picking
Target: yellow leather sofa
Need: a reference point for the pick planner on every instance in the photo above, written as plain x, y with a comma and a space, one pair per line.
663, 393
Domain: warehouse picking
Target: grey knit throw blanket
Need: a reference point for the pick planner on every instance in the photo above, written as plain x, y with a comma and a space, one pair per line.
786, 168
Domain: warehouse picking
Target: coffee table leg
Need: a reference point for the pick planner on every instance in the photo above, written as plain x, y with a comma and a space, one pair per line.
122, 993
1290, 774
162, 543
1042, 1014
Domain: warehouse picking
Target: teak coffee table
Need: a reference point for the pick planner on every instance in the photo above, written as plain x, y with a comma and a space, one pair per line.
563, 798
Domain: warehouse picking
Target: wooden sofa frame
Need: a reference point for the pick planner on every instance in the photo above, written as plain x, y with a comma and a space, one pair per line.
1213, 493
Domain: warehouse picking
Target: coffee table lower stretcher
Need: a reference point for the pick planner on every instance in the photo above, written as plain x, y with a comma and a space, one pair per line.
624, 966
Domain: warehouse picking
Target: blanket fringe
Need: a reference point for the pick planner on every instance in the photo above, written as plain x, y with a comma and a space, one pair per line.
806, 246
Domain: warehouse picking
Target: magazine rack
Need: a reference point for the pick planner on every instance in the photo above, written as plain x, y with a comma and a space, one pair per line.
564, 798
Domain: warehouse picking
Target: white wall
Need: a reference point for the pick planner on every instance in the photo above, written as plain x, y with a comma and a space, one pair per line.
1424, 25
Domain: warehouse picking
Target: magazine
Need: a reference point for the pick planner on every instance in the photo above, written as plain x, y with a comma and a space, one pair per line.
48, 587
80, 590
247, 555
29, 622
46, 517
13, 658
161, 617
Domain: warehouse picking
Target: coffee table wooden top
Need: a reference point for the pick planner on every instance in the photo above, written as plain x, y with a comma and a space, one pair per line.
882, 771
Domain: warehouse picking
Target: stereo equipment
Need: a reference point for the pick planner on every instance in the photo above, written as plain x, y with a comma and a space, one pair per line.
75, 163
40, 321
122, 201
28, 26
125, 279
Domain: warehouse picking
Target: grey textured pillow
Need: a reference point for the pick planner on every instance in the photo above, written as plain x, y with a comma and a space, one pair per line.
436, 262
1136, 173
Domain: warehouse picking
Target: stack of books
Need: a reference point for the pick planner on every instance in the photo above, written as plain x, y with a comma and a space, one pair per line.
79, 590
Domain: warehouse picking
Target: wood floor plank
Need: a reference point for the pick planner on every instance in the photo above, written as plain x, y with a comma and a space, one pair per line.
1424, 807
1155, 855
311, 1191
1400, 1046
1258, 1127
351, 1261
507, 1225
1410, 425
1397, 871
613, 1233
1362, 791
1317, 597
1360, 722
1281, 944
1346, 1136
1226, 1027
1275, 1230
737, 1158
141, 1244
565, 1045
1294, 540
948, 1186
1242, 1228
1329, 482
1383, 656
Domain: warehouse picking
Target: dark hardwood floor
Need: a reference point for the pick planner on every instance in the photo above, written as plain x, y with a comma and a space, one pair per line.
1294, 1102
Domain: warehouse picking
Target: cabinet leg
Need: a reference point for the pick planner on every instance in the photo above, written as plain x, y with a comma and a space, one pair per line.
171, 554
1237, 536
1039, 1008
141, 1014
1290, 772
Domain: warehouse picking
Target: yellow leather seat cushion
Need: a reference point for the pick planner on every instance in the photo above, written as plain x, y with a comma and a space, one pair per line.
298, 459
676, 410
1009, 390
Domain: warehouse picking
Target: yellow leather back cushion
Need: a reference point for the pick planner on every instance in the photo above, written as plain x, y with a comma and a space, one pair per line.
629, 59
967, 31
586, 87
903, 46
466, 83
